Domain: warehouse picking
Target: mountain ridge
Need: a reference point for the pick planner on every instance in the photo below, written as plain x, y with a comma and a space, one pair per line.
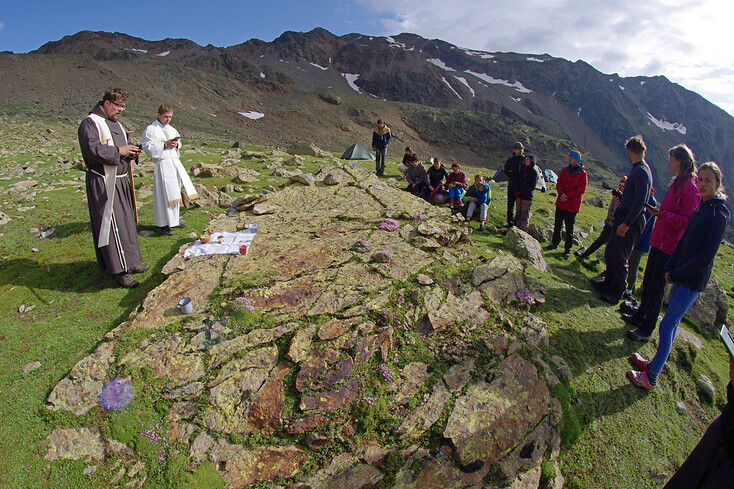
570, 101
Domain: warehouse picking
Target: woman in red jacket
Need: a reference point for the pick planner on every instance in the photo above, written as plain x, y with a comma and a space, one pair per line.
571, 186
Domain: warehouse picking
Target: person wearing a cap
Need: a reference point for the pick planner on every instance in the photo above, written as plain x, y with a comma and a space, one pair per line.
571, 186
513, 165
629, 221
608, 222
381, 137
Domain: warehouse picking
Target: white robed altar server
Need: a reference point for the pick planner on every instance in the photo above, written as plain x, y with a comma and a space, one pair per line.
162, 142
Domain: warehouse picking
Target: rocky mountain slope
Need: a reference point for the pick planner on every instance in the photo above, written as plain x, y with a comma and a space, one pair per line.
445, 100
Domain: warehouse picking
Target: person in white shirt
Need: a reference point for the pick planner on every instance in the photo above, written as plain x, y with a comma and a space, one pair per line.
162, 142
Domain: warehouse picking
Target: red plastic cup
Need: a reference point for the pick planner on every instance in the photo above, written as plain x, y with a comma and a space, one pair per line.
243, 249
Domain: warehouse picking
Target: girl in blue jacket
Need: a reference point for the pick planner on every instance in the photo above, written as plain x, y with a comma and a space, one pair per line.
688, 269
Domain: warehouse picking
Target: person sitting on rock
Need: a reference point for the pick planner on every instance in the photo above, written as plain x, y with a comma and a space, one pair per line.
417, 178
527, 179
456, 184
480, 194
436, 174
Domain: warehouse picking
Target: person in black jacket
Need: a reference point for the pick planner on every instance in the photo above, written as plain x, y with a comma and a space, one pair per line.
688, 269
436, 175
381, 137
629, 221
512, 170
711, 464
526, 182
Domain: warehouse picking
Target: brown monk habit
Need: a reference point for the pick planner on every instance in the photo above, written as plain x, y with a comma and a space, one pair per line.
123, 251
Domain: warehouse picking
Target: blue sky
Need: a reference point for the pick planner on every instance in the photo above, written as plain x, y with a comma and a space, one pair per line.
688, 41
28, 25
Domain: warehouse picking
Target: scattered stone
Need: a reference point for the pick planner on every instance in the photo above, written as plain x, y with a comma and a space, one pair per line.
333, 179
30, 367
307, 149
681, 407
243, 467
304, 178
527, 247
301, 344
426, 415
424, 279
459, 375
79, 391
4, 218
706, 386
595, 202
295, 161
260, 209
306, 424
563, 368
330, 401
75, 444
90, 469
489, 419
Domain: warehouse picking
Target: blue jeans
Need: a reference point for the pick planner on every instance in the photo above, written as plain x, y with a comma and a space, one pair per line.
456, 192
681, 298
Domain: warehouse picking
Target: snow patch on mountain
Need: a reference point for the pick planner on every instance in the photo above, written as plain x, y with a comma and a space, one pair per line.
319, 66
668, 126
481, 54
517, 85
440, 64
452, 88
251, 114
537, 60
351, 79
463, 80
164, 53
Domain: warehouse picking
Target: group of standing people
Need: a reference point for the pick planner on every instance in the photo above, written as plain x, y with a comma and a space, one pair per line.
108, 156
524, 177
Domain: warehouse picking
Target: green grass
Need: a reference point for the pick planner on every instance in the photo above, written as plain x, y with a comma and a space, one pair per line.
608, 425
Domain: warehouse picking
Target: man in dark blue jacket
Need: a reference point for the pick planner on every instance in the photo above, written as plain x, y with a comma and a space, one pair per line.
629, 221
381, 137
512, 169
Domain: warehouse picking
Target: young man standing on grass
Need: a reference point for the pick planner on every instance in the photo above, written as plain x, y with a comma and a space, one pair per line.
629, 221
512, 169
108, 154
381, 137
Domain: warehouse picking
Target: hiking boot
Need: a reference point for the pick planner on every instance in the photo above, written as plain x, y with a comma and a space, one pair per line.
610, 298
126, 280
566, 255
639, 362
139, 269
481, 227
640, 379
552, 247
637, 335
181, 223
580, 254
599, 286
630, 306
165, 230
635, 321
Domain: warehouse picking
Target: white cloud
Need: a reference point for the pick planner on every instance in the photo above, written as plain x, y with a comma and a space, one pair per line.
685, 40
2, 25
